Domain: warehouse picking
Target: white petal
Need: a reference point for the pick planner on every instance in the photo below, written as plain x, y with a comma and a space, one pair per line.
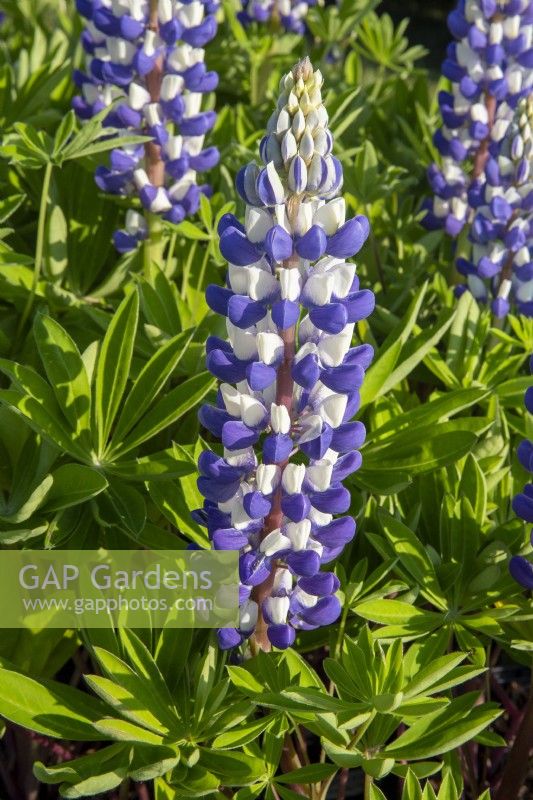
289, 147
138, 96
280, 419
291, 283
174, 147
275, 182
258, 222
171, 86
261, 284
332, 409
238, 278
318, 289
277, 609
282, 581
232, 399
311, 428
332, 349
343, 277
306, 600
298, 533
164, 11
319, 474
252, 411
274, 542
267, 478
270, 347
331, 215
293, 477
248, 615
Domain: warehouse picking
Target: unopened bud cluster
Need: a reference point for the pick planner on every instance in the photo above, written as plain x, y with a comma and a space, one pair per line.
290, 377
145, 58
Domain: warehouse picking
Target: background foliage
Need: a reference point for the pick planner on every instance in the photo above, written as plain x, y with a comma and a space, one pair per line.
422, 687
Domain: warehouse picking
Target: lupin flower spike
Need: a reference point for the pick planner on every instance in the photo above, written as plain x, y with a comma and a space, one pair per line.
289, 376
290, 14
520, 567
147, 57
490, 70
501, 259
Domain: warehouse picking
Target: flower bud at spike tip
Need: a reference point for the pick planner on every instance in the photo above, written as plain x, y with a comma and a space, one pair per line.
291, 303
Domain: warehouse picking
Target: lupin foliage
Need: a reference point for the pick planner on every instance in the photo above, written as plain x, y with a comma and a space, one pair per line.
420, 687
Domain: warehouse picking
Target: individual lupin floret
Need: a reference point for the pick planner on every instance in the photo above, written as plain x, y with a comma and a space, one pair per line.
520, 567
289, 375
145, 58
290, 14
490, 70
501, 259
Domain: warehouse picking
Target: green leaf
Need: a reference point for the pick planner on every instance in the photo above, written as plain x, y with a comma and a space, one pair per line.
66, 373
313, 773
416, 350
442, 731
145, 665
244, 680
243, 734
113, 366
50, 708
167, 411
437, 448
151, 380
159, 466
413, 557
124, 731
74, 484
41, 421
396, 612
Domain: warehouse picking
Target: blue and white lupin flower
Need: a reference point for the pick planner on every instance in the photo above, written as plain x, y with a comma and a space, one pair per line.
290, 13
490, 70
290, 376
147, 57
520, 567
501, 259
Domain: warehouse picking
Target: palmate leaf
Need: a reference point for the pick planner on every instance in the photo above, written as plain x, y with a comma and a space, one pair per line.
113, 367
413, 557
166, 411
73, 484
105, 769
151, 380
50, 708
67, 375
391, 348
155, 467
445, 729
42, 421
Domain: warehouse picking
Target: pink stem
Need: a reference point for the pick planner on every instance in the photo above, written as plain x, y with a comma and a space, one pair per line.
284, 391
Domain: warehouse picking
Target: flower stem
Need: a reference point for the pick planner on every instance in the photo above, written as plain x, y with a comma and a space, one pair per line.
39, 251
368, 785
284, 391
155, 166
482, 154
154, 245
